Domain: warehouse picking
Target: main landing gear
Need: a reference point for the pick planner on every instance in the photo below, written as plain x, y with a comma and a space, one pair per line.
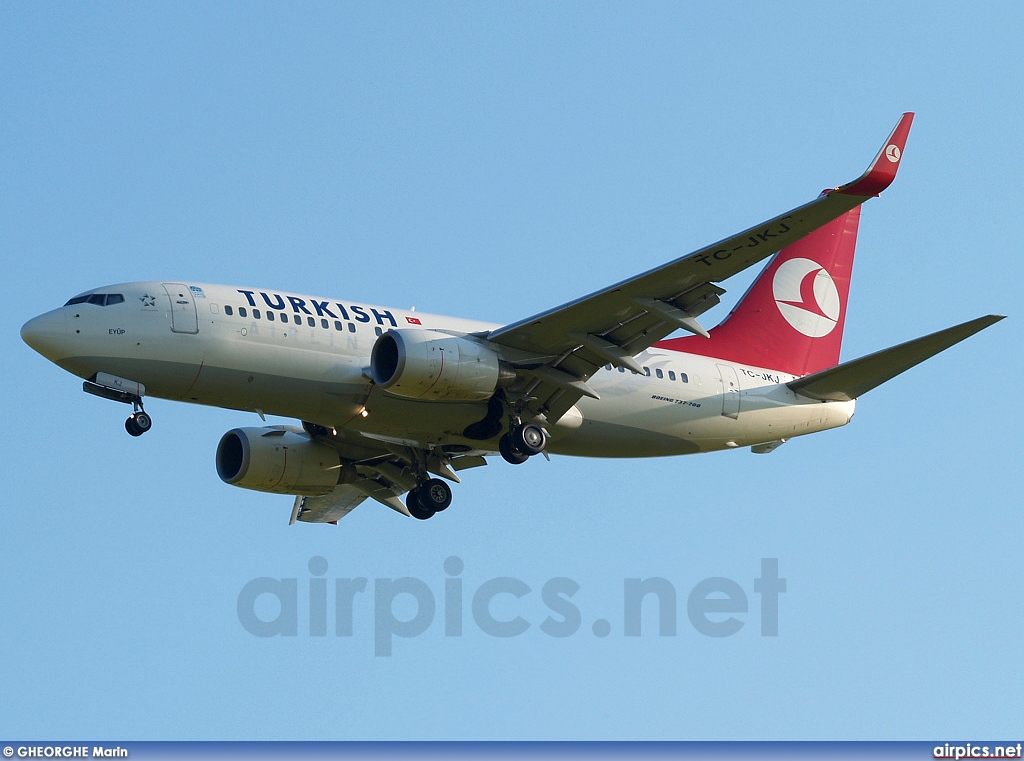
521, 443
431, 496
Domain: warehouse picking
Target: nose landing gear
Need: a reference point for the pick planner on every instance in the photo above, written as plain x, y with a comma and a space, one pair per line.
122, 390
138, 422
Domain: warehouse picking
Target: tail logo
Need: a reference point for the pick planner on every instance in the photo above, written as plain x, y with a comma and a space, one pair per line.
806, 297
892, 153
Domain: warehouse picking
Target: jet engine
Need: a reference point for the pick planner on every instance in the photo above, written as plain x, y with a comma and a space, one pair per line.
278, 459
426, 364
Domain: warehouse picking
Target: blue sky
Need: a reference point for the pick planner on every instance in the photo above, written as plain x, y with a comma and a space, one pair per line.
491, 161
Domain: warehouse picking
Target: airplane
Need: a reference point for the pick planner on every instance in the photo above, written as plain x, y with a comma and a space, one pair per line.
396, 402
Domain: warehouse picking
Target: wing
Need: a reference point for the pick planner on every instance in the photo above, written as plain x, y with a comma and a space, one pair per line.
383, 477
564, 346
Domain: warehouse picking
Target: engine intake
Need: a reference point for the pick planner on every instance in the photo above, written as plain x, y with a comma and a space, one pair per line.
426, 364
277, 459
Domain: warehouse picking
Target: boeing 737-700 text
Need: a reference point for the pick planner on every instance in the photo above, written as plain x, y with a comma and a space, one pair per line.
395, 402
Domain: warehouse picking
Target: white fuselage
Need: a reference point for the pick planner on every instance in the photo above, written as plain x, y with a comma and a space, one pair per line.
219, 345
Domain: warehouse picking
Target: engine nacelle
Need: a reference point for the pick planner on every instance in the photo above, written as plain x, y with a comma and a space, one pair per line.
279, 460
426, 364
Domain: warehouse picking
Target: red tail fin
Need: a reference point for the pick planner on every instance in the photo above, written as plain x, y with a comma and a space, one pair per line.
792, 317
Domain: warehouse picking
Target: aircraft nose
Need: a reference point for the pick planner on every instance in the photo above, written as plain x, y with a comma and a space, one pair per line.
46, 334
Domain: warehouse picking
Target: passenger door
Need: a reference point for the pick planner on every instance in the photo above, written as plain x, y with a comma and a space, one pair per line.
183, 308
730, 391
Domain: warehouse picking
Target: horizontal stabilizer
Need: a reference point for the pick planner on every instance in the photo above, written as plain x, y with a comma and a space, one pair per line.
851, 379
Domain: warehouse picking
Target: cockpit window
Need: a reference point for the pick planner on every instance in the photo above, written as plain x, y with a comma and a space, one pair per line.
99, 299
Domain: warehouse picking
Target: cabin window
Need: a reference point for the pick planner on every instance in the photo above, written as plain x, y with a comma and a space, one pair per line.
671, 374
377, 331
659, 373
241, 312
228, 310
351, 327
270, 315
337, 324
647, 372
323, 323
310, 321
255, 314
622, 369
683, 378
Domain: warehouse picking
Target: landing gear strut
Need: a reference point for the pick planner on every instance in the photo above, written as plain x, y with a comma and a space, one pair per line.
431, 496
521, 443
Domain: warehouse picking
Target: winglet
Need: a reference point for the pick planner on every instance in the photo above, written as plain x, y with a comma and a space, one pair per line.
882, 171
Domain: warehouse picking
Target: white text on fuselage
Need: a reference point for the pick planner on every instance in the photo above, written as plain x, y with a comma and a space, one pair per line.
333, 309
770, 377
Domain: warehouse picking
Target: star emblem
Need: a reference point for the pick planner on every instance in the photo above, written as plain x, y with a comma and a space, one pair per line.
147, 300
